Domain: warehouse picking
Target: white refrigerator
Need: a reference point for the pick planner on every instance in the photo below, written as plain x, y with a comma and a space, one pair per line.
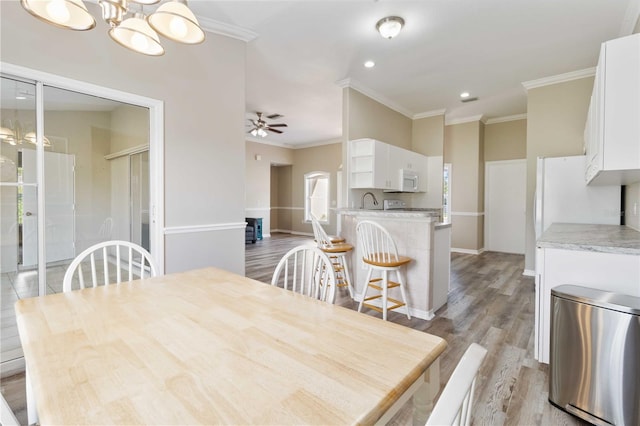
562, 195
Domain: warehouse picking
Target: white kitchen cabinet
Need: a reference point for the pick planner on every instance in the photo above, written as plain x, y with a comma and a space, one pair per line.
375, 164
612, 131
618, 273
368, 160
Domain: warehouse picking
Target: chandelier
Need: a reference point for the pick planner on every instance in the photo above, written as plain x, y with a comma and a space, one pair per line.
15, 134
139, 32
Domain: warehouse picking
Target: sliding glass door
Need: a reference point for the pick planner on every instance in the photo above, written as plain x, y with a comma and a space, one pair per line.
74, 172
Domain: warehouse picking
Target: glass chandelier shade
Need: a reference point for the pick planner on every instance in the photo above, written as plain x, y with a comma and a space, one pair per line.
71, 14
173, 19
136, 34
15, 135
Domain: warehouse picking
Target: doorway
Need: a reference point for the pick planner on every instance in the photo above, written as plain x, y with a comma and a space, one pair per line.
505, 205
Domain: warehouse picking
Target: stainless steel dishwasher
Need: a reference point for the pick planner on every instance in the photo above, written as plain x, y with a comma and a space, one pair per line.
594, 363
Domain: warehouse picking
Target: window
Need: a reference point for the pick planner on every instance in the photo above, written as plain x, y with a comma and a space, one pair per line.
446, 193
316, 196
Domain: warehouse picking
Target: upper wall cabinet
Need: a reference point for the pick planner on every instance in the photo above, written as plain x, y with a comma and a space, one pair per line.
376, 165
368, 160
612, 132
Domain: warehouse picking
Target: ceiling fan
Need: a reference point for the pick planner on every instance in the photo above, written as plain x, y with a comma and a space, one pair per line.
261, 127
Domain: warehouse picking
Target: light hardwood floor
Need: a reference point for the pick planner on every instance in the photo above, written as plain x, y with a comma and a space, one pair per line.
490, 303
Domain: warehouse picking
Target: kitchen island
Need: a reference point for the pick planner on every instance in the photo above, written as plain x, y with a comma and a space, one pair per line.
419, 235
603, 257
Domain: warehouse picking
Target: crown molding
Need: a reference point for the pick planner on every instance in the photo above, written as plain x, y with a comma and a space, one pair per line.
428, 114
631, 18
267, 142
560, 78
356, 85
506, 118
289, 146
227, 30
463, 120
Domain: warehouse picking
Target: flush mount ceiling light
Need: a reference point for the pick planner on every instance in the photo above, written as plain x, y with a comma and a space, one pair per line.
173, 19
390, 26
369, 64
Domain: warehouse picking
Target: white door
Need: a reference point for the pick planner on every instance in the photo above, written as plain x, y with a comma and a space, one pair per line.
59, 205
505, 205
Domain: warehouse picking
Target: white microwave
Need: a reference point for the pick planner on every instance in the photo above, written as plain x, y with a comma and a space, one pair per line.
408, 182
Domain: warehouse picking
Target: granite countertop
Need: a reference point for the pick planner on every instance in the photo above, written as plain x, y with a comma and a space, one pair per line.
433, 214
586, 237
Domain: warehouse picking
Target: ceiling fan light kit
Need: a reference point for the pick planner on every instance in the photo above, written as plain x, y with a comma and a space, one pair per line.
390, 26
139, 32
260, 126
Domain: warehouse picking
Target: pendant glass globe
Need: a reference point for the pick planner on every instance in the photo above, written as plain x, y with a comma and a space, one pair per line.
177, 22
71, 14
136, 34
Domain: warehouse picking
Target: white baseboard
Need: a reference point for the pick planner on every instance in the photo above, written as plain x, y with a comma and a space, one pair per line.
11, 367
467, 251
529, 273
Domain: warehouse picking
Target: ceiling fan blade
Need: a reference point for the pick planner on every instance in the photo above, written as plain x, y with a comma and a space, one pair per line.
278, 125
274, 130
274, 116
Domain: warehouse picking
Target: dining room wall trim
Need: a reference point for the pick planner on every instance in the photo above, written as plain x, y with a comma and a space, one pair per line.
190, 229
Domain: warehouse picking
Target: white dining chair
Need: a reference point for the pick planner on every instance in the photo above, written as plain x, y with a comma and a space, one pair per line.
380, 253
337, 252
7, 418
307, 270
456, 400
121, 258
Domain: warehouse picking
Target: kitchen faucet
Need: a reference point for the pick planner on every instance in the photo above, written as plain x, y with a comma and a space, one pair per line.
375, 202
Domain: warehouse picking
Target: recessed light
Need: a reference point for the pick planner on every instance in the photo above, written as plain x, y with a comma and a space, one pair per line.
464, 95
369, 64
20, 97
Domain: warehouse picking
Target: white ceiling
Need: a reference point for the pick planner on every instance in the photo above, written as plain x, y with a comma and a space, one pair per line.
486, 47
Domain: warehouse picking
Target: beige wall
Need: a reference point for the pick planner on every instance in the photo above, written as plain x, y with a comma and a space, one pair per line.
259, 161
367, 118
204, 103
427, 138
505, 141
323, 158
284, 201
464, 149
556, 115
129, 127
427, 135
275, 183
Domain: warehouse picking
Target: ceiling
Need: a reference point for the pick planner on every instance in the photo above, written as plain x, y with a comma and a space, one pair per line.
303, 48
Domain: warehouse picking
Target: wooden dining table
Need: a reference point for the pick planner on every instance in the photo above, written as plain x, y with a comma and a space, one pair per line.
212, 347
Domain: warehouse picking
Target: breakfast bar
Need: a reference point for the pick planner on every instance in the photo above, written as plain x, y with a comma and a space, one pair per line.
418, 234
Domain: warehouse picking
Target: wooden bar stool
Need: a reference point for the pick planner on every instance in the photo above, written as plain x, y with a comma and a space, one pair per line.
337, 252
380, 253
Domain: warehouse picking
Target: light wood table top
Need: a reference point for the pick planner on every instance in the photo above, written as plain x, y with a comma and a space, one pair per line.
212, 347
